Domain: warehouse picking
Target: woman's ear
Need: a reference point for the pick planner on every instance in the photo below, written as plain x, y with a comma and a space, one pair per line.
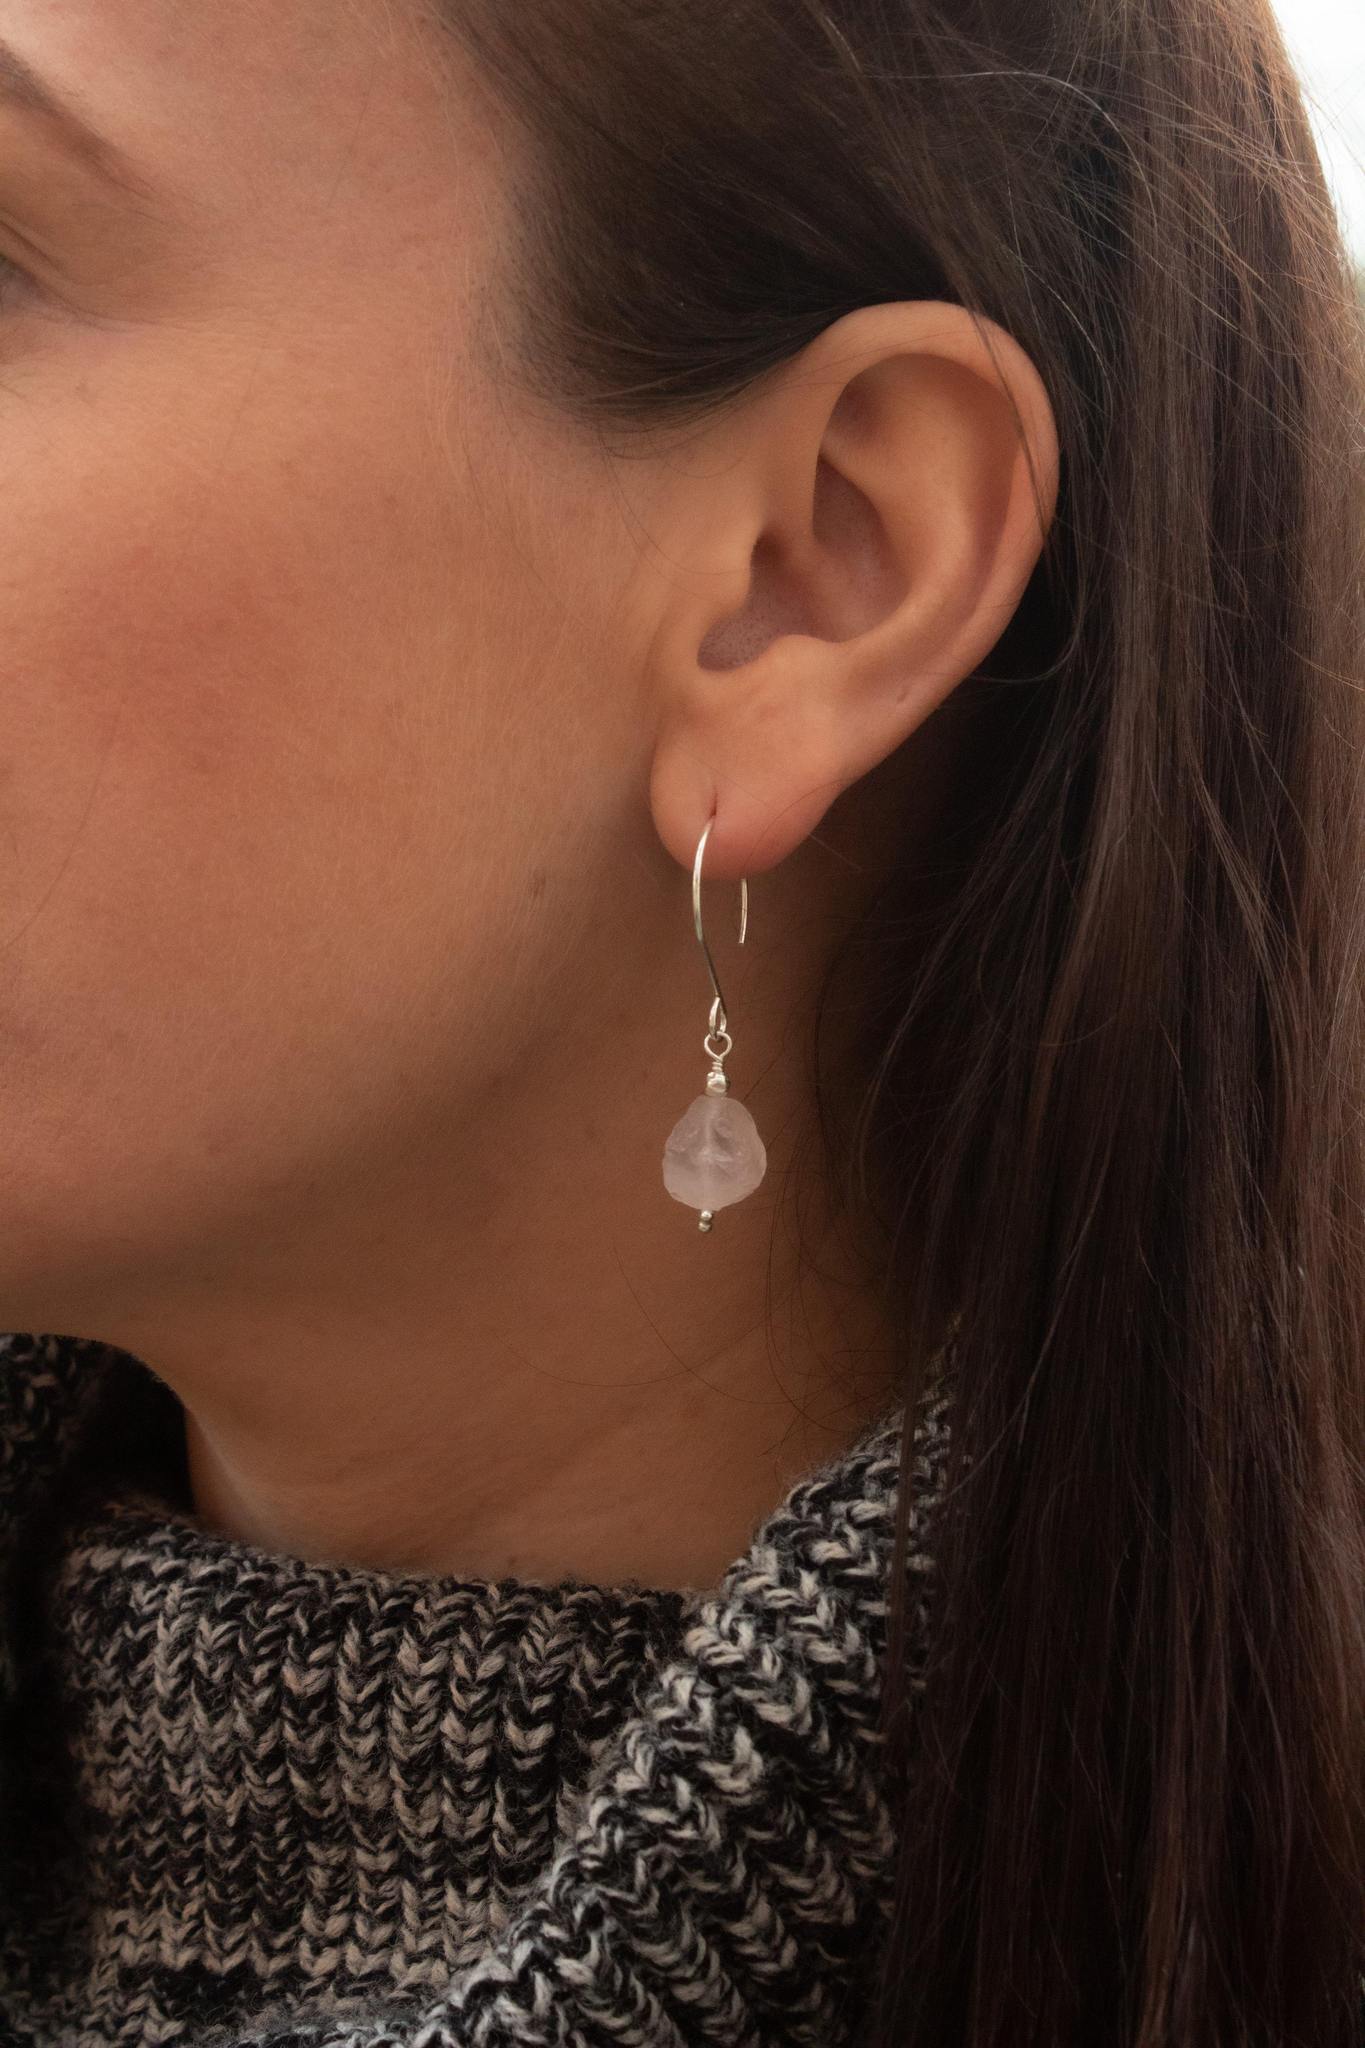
838, 552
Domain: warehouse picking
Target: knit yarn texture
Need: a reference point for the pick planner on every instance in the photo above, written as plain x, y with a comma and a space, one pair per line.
249, 1802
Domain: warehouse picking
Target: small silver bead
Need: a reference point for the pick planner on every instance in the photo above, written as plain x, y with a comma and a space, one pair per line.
716, 1082
706, 1220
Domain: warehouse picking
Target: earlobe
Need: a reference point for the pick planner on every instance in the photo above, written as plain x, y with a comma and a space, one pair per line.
883, 506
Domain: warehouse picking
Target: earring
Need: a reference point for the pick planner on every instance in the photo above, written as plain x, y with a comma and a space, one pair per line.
714, 1155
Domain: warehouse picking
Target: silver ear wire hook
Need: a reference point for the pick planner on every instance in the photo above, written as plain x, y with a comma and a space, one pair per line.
718, 1007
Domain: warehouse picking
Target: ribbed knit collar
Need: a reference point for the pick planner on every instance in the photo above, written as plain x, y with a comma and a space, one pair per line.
314, 1773
317, 1802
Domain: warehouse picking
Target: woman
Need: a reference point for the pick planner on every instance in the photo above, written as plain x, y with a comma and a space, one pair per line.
496, 494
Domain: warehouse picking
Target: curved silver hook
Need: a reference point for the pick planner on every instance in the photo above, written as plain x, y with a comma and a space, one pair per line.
718, 1012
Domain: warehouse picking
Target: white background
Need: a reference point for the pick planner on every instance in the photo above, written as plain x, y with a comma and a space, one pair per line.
1327, 41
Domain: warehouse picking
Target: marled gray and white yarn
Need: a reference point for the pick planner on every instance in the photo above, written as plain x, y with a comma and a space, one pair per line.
252, 1801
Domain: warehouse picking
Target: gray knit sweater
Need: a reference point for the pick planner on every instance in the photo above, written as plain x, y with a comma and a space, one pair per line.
248, 1800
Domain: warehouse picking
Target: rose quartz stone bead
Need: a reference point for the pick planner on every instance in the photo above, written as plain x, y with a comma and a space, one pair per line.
714, 1155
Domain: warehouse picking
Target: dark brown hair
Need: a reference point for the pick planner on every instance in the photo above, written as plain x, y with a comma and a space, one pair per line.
1105, 1104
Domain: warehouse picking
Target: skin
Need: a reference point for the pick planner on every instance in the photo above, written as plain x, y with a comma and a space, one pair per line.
361, 718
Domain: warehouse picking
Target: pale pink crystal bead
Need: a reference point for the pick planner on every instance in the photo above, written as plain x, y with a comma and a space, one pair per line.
714, 1155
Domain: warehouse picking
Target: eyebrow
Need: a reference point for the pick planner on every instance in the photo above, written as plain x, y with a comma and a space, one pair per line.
22, 87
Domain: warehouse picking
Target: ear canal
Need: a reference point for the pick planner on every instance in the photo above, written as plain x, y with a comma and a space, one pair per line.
771, 607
